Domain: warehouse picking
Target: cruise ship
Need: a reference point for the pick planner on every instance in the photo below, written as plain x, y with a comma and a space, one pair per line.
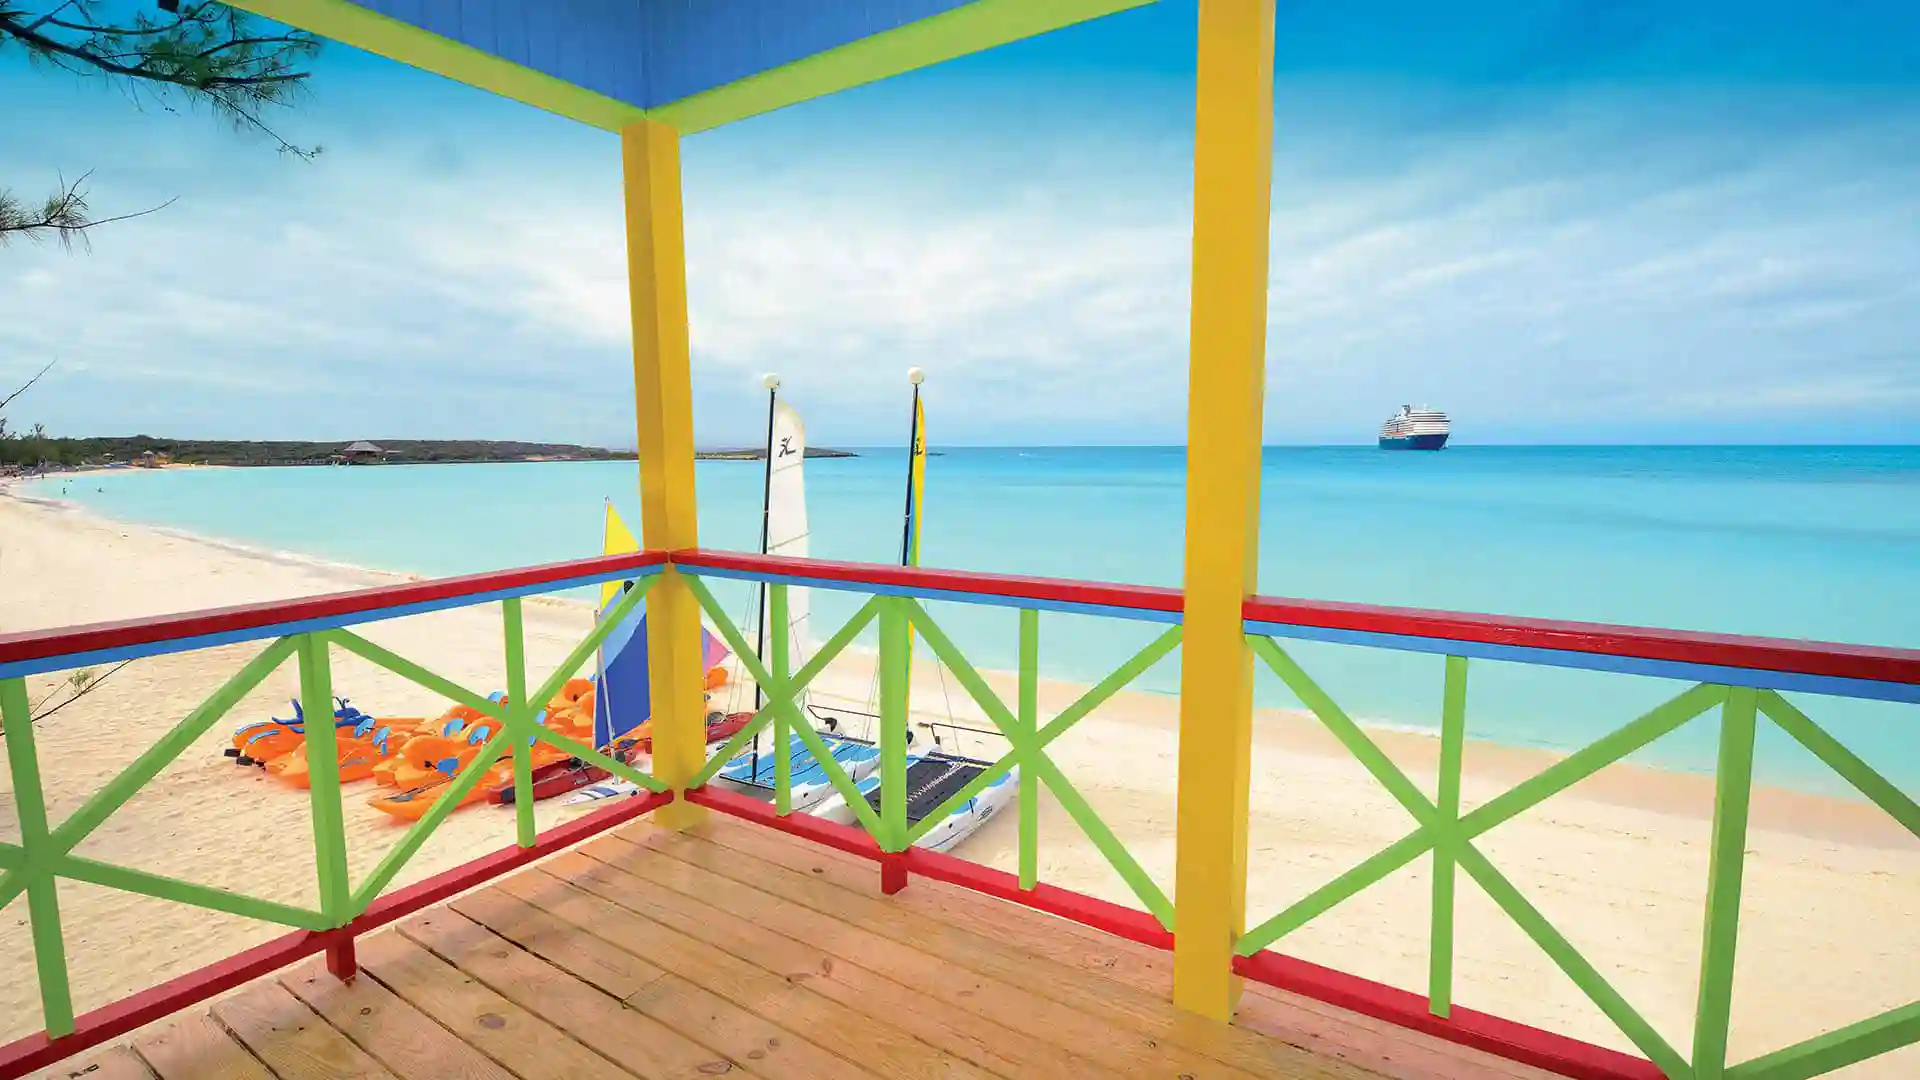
1414, 429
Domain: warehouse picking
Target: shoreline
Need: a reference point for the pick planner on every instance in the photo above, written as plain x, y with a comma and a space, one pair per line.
1619, 862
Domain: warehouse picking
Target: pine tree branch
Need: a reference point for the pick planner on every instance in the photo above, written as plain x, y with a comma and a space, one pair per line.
65, 215
206, 51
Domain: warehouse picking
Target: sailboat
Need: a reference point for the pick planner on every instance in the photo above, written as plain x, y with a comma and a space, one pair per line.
933, 776
783, 531
622, 695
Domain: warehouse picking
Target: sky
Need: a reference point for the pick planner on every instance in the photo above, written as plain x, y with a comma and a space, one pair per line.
1562, 221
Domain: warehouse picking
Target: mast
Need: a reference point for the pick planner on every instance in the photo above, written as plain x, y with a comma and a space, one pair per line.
772, 383
915, 448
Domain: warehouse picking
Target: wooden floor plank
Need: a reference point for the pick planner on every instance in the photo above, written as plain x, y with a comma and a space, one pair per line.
513, 1037
732, 1005
195, 1047
1045, 1015
293, 1041
399, 1036
1324, 1029
635, 1041
1061, 940
883, 1047
1150, 1016
870, 996
665, 890
113, 1063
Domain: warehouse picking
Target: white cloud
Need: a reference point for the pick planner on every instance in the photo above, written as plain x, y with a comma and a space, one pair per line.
1516, 273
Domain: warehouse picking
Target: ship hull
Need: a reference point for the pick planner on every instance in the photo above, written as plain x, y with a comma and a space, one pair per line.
1413, 442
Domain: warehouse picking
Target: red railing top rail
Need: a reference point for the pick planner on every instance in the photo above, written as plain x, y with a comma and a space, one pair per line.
1833, 659
1819, 658
922, 579
127, 633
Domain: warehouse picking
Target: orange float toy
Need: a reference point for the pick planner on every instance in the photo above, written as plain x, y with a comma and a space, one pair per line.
259, 743
372, 743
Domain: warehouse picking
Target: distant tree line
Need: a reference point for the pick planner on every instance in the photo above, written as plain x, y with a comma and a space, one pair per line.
32, 448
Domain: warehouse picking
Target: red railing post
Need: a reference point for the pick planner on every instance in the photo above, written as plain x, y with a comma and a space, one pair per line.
340, 959
893, 874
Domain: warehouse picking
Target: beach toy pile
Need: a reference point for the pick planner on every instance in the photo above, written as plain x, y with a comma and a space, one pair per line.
416, 760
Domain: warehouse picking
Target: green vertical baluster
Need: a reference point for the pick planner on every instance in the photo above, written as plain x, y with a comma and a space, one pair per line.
894, 660
1029, 726
1733, 788
323, 776
782, 734
43, 897
520, 714
1453, 735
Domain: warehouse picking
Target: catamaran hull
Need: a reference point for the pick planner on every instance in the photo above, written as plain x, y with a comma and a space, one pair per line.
810, 785
962, 823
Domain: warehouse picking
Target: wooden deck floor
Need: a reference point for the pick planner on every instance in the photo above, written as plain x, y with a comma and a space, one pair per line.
738, 950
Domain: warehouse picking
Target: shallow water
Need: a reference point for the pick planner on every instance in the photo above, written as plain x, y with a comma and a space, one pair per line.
1806, 542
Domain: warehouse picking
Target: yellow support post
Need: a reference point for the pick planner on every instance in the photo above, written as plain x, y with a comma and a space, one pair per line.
663, 414
1232, 174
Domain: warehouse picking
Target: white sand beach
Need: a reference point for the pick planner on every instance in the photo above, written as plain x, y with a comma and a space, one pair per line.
1618, 864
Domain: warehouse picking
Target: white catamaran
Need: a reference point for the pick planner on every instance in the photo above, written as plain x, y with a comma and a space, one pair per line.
783, 531
934, 776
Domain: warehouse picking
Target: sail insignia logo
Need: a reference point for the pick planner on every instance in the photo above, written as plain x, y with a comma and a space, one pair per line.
786, 446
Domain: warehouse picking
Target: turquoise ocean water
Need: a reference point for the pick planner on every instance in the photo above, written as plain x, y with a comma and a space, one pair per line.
1799, 542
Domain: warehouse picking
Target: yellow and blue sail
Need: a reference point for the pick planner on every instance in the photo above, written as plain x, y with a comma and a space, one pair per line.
624, 698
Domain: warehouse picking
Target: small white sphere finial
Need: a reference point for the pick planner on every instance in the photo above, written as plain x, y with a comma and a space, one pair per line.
770, 381
916, 376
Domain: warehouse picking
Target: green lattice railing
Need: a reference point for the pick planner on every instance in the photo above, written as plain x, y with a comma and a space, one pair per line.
1441, 829
46, 854
888, 826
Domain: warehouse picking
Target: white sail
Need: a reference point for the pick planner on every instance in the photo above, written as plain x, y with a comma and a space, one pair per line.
787, 516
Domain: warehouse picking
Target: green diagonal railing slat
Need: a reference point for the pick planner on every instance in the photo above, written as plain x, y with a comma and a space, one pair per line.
416, 835
1569, 960
1841, 760
1121, 677
36, 875
1858, 1041
414, 673
1070, 799
785, 691
1373, 869
171, 745
597, 757
784, 701
141, 883
1363, 748
1521, 797
608, 622
1659, 721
